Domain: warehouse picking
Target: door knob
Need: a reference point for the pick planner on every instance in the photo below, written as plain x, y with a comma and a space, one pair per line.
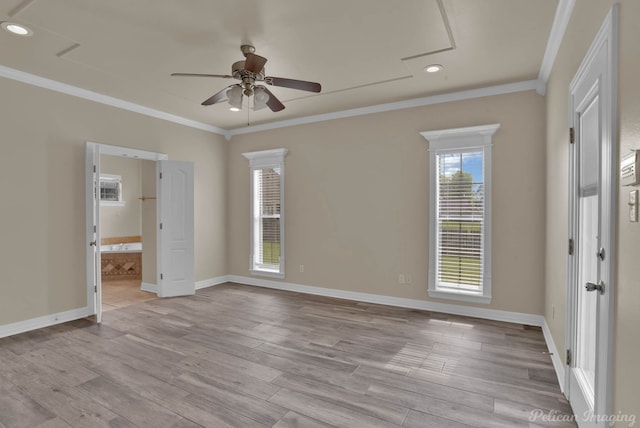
92, 243
590, 286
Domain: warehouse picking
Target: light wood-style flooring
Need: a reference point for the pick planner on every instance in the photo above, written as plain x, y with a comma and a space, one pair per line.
242, 356
118, 294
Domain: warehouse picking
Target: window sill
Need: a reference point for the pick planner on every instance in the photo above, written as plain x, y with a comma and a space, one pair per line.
112, 203
464, 296
270, 274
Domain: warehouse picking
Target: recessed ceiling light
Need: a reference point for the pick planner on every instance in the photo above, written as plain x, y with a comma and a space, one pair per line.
234, 109
433, 68
18, 29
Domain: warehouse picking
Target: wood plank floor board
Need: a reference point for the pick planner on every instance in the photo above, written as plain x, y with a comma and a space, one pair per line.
308, 356
264, 412
506, 360
123, 401
17, 409
210, 413
524, 411
295, 420
297, 367
447, 409
53, 423
386, 379
203, 354
70, 404
416, 419
241, 356
325, 411
145, 385
540, 399
231, 378
365, 404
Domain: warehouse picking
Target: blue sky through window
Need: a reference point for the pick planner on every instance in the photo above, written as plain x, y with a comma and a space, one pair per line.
470, 162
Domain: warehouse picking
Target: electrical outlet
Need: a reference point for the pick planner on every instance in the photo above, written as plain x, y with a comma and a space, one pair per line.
401, 278
408, 279
301, 268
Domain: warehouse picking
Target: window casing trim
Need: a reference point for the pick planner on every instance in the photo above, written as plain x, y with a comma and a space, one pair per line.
460, 140
259, 160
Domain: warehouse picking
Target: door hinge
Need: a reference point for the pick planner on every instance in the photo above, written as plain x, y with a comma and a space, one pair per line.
160, 226
568, 360
161, 276
94, 168
571, 247
95, 229
95, 288
160, 176
572, 136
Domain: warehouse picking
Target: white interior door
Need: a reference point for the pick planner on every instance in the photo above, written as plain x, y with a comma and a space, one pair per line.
592, 225
94, 269
176, 262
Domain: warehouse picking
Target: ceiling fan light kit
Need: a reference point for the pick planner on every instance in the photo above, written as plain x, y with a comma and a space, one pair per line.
251, 72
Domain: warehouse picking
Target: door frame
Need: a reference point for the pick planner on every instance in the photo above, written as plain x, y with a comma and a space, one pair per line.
607, 39
93, 268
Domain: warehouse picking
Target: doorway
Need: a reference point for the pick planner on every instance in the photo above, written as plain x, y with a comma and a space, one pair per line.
592, 220
172, 227
127, 219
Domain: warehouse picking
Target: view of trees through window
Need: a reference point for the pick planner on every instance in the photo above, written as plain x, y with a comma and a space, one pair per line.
269, 206
460, 218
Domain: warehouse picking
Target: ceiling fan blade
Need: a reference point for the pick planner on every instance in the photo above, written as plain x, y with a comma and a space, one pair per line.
302, 85
254, 63
219, 96
224, 76
273, 103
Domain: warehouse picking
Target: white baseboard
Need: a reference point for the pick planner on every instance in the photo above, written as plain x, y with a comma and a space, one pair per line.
212, 281
153, 288
44, 321
556, 357
470, 311
147, 286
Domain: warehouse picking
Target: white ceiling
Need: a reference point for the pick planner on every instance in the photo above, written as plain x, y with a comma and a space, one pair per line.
363, 52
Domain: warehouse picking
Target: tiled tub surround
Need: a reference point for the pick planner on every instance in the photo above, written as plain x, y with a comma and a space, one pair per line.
121, 258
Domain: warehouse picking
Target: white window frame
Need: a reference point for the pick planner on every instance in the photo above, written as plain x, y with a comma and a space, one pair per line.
259, 160
454, 141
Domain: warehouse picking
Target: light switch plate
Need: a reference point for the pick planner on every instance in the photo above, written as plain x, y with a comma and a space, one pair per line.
633, 206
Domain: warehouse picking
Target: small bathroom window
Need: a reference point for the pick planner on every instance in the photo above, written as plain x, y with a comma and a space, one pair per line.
111, 190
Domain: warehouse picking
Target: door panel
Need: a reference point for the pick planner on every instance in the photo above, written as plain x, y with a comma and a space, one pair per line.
587, 250
593, 171
94, 269
176, 260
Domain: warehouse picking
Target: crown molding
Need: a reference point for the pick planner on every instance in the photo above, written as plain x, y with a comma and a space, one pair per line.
528, 85
558, 28
32, 79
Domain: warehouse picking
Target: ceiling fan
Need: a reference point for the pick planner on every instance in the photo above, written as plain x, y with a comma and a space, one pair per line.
251, 73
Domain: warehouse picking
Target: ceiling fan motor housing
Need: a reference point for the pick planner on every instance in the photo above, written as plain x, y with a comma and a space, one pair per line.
238, 71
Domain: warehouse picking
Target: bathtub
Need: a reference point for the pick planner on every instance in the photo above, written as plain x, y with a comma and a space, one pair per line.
129, 247
121, 261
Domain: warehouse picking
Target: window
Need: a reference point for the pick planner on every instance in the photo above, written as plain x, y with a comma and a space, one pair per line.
267, 216
460, 213
111, 190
